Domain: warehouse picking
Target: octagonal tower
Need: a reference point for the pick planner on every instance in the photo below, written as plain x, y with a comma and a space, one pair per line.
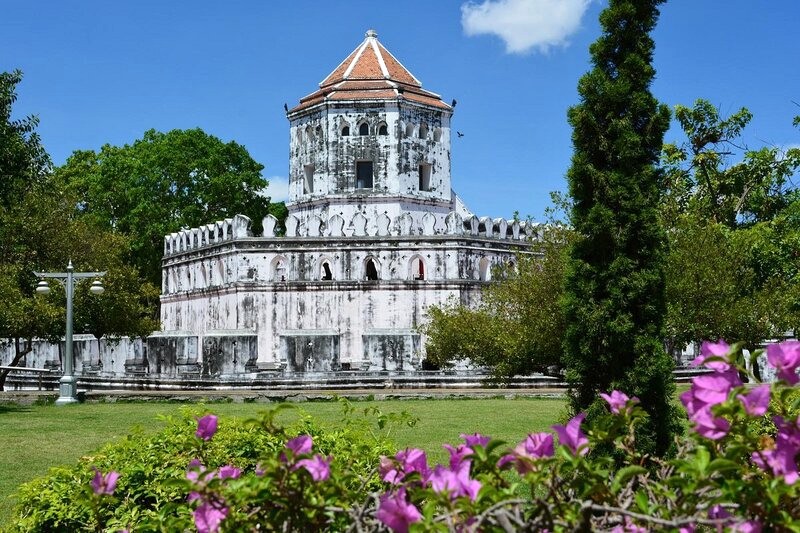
370, 140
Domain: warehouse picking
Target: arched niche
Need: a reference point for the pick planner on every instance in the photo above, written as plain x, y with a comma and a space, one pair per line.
416, 268
279, 269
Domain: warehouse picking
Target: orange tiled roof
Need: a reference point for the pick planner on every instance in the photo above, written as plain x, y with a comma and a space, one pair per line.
370, 72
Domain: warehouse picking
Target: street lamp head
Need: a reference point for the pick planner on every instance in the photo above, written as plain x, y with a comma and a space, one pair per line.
97, 287
43, 288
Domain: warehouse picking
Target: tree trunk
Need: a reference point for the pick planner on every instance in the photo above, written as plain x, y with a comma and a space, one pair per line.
19, 353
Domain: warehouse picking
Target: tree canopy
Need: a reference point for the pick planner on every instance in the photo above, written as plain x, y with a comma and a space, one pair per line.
40, 231
164, 182
614, 291
517, 328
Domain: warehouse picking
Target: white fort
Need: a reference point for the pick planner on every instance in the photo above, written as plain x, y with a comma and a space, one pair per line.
375, 235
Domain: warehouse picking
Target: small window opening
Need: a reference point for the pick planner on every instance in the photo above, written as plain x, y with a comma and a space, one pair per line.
363, 174
417, 269
423, 131
345, 131
327, 275
309, 134
372, 271
318, 131
383, 130
308, 182
437, 135
363, 129
425, 177
409, 130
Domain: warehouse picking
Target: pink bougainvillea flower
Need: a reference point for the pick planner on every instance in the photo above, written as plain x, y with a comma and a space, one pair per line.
104, 484
571, 435
300, 445
413, 460
713, 350
713, 389
229, 472
388, 471
455, 481
781, 459
628, 527
618, 401
260, 470
506, 460
319, 467
457, 454
785, 357
756, 401
709, 426
751, 526
208, 517
688, 528
476, 439
396, 512
206, 427
535, 446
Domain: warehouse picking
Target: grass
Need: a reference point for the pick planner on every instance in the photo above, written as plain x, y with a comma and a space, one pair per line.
35, 438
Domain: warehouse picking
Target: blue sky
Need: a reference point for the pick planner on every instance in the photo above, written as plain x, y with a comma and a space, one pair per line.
101, 72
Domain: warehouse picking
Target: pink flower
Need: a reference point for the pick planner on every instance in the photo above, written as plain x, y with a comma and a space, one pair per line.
709, 426
618, 400
457, 454
260, 470
396, 512
785, 357
206, 427
229, 471
781, 460
476, 439
318, 466
756, 401
104, 484
751, 526
713, 350
709, 390
535, 446
571, 435
300, 445
208, 517
455, 481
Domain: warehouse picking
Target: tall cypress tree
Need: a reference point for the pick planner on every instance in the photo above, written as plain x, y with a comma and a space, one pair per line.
614, 293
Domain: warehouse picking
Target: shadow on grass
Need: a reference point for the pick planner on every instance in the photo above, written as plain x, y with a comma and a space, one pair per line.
8, 407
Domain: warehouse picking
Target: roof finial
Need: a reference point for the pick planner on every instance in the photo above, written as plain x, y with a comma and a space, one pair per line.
371, 33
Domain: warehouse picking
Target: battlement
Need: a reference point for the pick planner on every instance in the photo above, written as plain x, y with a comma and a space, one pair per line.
359, 225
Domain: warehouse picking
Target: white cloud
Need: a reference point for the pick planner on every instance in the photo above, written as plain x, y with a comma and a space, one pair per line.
525, 25
277, 188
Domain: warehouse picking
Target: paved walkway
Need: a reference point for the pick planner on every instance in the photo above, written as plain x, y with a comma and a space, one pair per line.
265, 396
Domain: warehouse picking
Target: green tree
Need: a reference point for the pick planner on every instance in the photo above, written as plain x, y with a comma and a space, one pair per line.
614, 292
23, 159
162, 183
733, 215
701, 179
518, 327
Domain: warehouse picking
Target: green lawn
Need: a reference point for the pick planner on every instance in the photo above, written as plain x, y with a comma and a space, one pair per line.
34, 438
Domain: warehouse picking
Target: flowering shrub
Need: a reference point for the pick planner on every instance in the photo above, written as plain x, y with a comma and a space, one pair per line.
736, 470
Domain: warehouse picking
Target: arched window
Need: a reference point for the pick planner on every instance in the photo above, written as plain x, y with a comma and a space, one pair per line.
345, 131
485, 269
325, 271
363, 129
318, 131
437, 135
383, 129
417, 268
423, 131
309, 133
370, 270
409, 130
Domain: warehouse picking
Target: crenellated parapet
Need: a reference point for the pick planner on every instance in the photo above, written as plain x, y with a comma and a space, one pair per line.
359, 225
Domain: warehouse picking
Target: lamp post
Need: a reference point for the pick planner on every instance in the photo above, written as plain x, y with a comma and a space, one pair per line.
68, 384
